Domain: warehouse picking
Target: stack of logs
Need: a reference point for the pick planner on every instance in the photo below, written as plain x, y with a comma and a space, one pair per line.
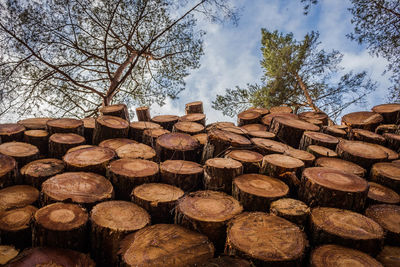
278, 189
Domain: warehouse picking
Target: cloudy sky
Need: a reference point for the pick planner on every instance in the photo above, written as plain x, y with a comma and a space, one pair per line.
232, 53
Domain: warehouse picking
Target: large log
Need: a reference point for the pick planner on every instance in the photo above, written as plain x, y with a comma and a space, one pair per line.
313, 115
266, 146
379, 194
392, 155
389, 112
292, 210
219, 174
137, 128
65, 125
262, 111
150, 136
194, 117
11, 132
250, 160
18, 196
342, 165
166, 121
227, 127
281, 109
389, 256
8, 171
276, 165
61, 225
126, 174
38, 171
346, 228
333, 188
208, 212
136, 151
118, 110
388, 216
107, 127
143, 113
393, 141
186, 175
267, 119
188, 127
176, 246
254, 127
116, 143
158, 199
23, 153
366, 136
194, 107
34, 123
60, 143
266, 240
363, 119
302, 155
334, 131
319, 139
321, 151
75, 148
7, 253
248, 117
387, 174
88, 128
38, 138
111, 221
261, 134
177, 146
386, 128
256, 192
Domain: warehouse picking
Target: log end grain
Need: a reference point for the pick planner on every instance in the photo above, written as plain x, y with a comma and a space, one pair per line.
7, 253
136, 151
388, 216
389, 256
36, 172
379, 194
340, 164
362, 119
116, 143
34, 123
18, 196
291, 209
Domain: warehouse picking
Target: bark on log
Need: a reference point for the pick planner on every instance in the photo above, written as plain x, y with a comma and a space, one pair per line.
88, 129
150, 136
188, 127
38, 138
319, 139
166, 121
137, 128
7, 254
8, 171
366, 136
267, 119
38, 171
116, 143
315, 116
186, 175
342, 165
136, 151
393, 141
60, 143
108, 127
178, 146
194, 107
389, 256
386, 128
202, 138
220, 172
118, 110
379, 194
248, 117
65, 125
143, 113
23, 153
266, 146
292, 210
363, 119
302, 155
387, 174
389, 112
392, 155
388, 216
34, 123
320, 151
18, 196
194, 117
250, 160
10, 132
334, 131
281, 109
225, 261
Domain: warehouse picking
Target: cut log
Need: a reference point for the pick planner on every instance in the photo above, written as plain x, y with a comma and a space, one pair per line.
290, 131
248, 117
83, 188
379, 194
363, 119
38, 171
266, 146
195, 117
65, 125
75, 148
393, 141
261, 134
34, 123
208, 212
143, 113
262, 111
346, 228
7, 253
137, 128
256, 192
159, 200
38, 138
219, 174
52, 257
281, 109
186, 175
319, 139
219, 125
136, 151
342, 165
366, 136
108, 127
314, 121
202, 138
11, 132
194, 107
389, 112
280, 166
389, 256
88, 128
116, 143
333, 188
334, 255
18, 196
177, 146
387, 174
392, 155
150, 136
250, 160
267, 119
176, 246
15, 226
334, 131
302, 155
118, 110
8, 171
126, 174
91, 159
266, 240
388, 216
292, 210
166, 121
312, 115
254, 127
60, 143
188, 127
386, 128
361, 153
320, 151
111, 221
225, 261
61, 225
23, 153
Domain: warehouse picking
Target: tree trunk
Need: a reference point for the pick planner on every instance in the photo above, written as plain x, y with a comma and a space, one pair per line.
248, 117
38, 138
143, 113
18, 196
393, 141
23, 153
194, 117
389, 112
266, 146
275, 165
292, 210
34, 123
188, 127
366, 136
320, 151
319, 139
10, 132
108, 127
65, 125
342, 165
137, 128
334, 131
219, 174
178, 146
9, 171
302, 155
387, 174
118, 110
379, 194
166, 121
38, 171
186, 175
250, 160
88, 129
60, 143
363, 119
150, 136
194, 107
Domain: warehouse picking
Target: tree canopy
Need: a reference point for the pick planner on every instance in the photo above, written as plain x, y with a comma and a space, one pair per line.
69, 57
299, 74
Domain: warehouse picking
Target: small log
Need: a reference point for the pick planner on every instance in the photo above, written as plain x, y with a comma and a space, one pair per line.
116, 143
150, 136
38, 138
292, 210
379, 194
90, 159
159, 200
176, 246
8, 171
302, 155
388, 216
319, 139
366, 136
334, 131
313, 115
143, 113
386, 128
392, 155
202, 138
61, 225
111, 221
186, 175
188, 127
389, 256
10, 132
136, 151
346, 228
75, 148
248, 117
7, 254
23, 153
267, 119
194, 107
225, 261
254, 127
34, 123
266, 240
108, 127
65, 125
266, 146
334, 255
363, 119
208, 212
328, 187
219, 125
342, 165
18, 196
60, 143
38, 171
262, 111
389, 112
177, 146
194, 117
126, 174
219, 174
83, 188
261, 134
281, 109
15, 226
278, 166
166, 121
88, 128
137, 128
256, 192
118, 110
387, 174
393, 141
250, 160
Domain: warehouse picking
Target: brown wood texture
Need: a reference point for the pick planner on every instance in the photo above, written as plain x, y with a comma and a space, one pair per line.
194, 117
194, 107
166, 121
281, 109
38, 138
254, 127
302, 155
108, 127
366, 136
393, 141
22, 152
118, 110
250, 160
276, 165
387, 174
389, 256
340, 164
34, 123
60, 143
8, 171
388, 216
137, 128
379, 194
7, 253
334, 131
136, 151
319, 139
38, 171
262, 111
219, 174
188, 127
187, 175
321, 151
225, 261
292, 210
88, 128
11, 132
65, 125
150, 136
143, 113
386, 128
363, 119
266, 146
18, 196
267, 119
248, 117
390, 112
116, 143
314, 116
178, 146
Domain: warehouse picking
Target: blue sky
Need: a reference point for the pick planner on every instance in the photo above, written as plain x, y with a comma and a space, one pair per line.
232, 54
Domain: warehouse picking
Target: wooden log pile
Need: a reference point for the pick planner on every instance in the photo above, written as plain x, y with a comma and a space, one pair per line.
277, 189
